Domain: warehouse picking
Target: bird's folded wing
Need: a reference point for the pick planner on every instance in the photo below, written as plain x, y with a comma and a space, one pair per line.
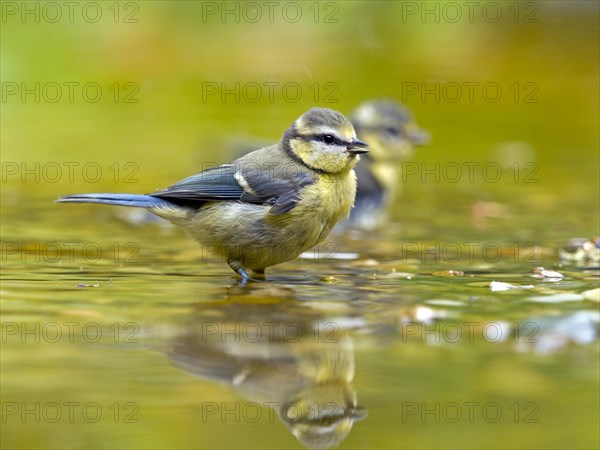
230, 182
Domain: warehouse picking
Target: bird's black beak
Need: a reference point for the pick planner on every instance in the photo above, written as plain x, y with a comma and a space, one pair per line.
357, 147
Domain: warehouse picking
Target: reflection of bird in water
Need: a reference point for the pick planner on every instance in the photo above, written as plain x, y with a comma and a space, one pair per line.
391, 132
279, 355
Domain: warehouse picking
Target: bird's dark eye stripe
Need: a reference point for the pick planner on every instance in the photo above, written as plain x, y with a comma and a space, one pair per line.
319, 137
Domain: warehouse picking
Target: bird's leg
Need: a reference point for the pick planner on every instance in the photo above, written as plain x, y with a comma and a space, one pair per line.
240, 270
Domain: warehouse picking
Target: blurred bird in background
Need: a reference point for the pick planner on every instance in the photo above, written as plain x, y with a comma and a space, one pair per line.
391, 133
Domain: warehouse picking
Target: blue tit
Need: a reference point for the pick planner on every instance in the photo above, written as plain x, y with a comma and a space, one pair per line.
268, 206
391, 133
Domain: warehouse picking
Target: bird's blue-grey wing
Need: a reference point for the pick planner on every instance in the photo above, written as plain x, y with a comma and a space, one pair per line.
213, 184
231, 182
282, 193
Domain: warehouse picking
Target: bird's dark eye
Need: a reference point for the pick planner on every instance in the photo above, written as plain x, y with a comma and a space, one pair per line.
328, 138
392, 131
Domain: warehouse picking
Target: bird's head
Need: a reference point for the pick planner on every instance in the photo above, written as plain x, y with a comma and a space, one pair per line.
389, 129
322, 416
324, 140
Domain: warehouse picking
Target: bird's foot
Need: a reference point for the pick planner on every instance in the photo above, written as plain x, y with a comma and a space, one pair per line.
241, 271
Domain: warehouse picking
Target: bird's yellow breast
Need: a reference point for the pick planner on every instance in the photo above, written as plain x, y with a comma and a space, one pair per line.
337, 194
327, 201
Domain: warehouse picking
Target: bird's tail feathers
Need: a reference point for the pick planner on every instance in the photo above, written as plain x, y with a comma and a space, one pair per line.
135, 200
